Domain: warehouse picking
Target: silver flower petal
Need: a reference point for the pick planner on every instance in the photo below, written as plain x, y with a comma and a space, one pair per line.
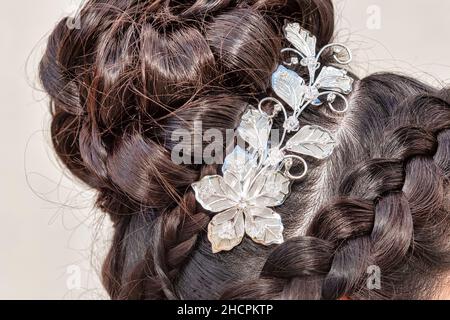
239, 166
255, 129
264, 226
226, 230
289, 86
214, 194
312, 141
335, 79
270, 188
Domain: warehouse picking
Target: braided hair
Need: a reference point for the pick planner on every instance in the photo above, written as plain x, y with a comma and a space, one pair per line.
384, 203
136, 71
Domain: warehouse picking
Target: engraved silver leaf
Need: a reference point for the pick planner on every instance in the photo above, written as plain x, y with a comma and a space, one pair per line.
305, 43
335, 79
312, 141
214, 194
255, 129
289, 86
270, 189
264, 226
301, 39
226, 230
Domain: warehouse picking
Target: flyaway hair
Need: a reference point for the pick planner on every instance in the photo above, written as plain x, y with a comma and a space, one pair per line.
138, 70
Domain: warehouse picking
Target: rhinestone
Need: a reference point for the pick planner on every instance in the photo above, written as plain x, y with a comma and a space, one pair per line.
278, 107
291, 124
275, 157
288, 164
311, 93
242, 204
331, 97
308, 61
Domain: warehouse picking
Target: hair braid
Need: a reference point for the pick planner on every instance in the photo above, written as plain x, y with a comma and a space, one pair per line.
376, 217
137, 71
173, 239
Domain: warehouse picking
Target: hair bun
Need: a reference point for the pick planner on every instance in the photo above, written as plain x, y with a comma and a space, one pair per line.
132, 74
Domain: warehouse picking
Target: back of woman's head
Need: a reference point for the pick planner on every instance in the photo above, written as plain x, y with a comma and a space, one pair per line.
137, 71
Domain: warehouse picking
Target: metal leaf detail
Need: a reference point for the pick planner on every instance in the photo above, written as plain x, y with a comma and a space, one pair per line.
335, 79
264, 226
289, 86
255, 129
301, 39
312, 141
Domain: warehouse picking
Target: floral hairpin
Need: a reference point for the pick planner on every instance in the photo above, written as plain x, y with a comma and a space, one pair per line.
257, 178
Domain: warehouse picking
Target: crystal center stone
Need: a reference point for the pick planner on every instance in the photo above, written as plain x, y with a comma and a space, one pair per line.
292, 124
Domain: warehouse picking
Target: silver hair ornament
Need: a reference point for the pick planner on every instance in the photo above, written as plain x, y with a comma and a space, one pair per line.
258, 178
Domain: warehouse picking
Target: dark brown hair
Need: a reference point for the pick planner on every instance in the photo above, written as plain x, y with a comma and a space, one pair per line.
136, 70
